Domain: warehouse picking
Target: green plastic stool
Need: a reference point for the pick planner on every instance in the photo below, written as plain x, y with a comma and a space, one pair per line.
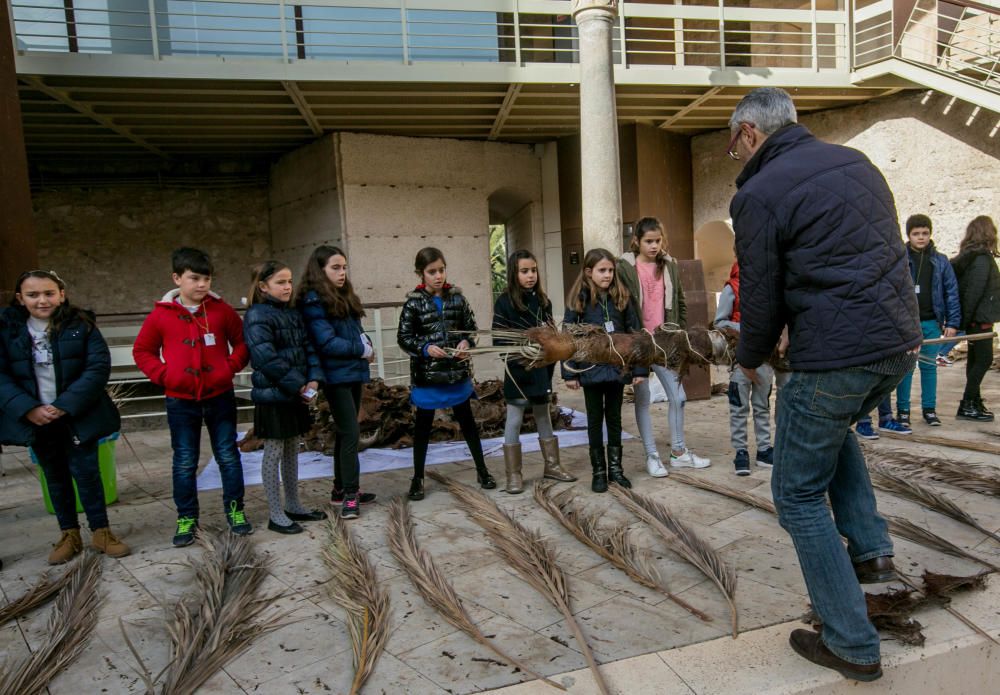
106, 465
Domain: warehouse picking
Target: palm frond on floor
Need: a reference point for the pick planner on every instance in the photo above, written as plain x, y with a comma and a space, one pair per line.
436, 590
44, 589
220, 617
885, 479
967, 444
73, 619
355, 588
682, 540
613, 544
756, 501
525, 551
975, 477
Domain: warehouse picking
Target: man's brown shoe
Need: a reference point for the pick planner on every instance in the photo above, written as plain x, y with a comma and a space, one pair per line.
103, 541
808, 645
66, 548
876, 570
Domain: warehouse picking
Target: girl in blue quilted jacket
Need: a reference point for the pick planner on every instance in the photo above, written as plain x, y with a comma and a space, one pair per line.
54, 367
285, 376
332, 312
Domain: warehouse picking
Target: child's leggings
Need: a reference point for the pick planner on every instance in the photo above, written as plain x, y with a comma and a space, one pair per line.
604, 404
345, 402
515, 418
676, 398
282, 454
422, 436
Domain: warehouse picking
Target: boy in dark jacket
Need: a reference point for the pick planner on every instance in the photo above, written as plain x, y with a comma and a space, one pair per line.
191, 344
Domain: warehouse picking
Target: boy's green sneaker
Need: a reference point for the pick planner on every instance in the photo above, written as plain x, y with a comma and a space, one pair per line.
238, 523
186, 528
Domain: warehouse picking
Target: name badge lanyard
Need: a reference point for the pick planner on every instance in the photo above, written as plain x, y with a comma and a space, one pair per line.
609, 325
208, 337
920, 268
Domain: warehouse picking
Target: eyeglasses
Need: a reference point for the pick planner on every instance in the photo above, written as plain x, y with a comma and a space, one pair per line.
731, 150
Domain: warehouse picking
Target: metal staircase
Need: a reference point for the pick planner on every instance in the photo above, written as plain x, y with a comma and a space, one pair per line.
951, 46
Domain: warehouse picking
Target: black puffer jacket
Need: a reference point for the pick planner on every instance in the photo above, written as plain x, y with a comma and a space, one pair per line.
281, 354
978, 287
819, 248
83, 366
522, 385
627, 321
421, 325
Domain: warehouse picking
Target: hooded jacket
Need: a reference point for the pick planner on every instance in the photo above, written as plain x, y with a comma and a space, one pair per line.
819, 248
281, 355
172, 351
979, 287
82, 364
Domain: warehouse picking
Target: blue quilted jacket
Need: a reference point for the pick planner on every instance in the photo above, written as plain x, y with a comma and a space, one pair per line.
819, 248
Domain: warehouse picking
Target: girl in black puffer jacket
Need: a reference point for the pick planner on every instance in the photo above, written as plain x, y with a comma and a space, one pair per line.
285, 379
54, 367
436, 316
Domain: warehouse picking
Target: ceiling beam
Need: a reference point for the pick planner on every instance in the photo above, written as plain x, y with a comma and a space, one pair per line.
508, 103
64, 98
691, 107
303, 106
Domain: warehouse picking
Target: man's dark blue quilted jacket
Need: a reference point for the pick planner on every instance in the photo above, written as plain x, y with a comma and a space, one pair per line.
820, 249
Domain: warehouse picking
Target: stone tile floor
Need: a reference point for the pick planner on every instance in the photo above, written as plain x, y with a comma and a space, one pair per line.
626, 623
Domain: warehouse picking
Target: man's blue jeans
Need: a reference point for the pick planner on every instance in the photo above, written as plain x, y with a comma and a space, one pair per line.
928, 372
185, 418
817, 455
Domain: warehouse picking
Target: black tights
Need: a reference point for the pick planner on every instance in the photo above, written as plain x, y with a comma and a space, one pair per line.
345, 401
604, 404
977, 363
422, 436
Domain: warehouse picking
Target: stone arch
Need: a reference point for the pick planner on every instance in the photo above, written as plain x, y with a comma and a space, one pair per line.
713, 245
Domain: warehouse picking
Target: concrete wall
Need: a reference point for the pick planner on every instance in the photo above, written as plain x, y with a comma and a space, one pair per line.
939, 157
305, 203
112, 245
401, 194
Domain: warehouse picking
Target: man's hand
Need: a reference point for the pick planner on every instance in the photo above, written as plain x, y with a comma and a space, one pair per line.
750, 373
950, 332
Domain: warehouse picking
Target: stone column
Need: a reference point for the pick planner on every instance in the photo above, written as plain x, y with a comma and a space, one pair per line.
17, 236
600, 175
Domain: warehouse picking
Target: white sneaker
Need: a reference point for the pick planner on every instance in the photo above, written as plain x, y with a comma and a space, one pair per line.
688, 460
654, 466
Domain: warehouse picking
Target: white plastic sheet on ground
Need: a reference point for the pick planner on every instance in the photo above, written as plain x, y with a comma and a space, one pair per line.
314, 464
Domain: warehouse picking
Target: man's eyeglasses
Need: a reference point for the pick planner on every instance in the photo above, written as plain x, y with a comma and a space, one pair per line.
731, 150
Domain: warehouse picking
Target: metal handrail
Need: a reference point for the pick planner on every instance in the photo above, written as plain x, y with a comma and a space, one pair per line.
518, 32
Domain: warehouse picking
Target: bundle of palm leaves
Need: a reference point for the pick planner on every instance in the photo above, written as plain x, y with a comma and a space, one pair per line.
73, 619
976, 477
44, 589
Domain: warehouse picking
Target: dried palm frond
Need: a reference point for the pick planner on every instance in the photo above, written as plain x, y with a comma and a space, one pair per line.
525, 551
434, 587
73, 619
891, 612
219, 619
753, 500
885, 479
681, 539
43, 590
967, 444
356, 589
976, 477
943, 585
614, 544
911, 532
897, 525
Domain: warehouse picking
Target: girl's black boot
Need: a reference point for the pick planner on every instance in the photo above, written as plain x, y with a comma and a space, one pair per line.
486, 480
416, 489
599, 483
615, 472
